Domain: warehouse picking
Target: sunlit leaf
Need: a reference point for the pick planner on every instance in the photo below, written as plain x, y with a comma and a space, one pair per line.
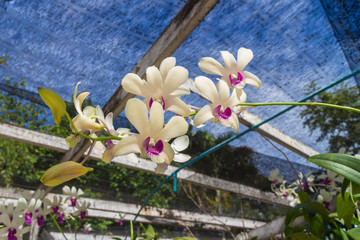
63, 172
54, 102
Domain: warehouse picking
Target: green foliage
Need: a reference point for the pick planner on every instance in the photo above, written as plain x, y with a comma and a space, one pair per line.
342, 164
340, 126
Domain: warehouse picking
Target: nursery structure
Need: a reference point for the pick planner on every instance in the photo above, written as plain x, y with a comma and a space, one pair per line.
55, 44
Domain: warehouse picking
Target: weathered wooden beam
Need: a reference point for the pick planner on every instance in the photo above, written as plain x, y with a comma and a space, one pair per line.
58, 144
111, 210
267, 130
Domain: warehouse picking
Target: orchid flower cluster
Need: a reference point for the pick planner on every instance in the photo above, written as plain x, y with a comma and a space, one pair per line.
16, 217
326, 186
161, 92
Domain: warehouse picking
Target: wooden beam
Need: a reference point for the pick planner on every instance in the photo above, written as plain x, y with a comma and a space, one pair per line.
58, 144
267, 130
111, 210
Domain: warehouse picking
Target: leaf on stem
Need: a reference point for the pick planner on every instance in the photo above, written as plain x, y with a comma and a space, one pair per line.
63, 172
54, 102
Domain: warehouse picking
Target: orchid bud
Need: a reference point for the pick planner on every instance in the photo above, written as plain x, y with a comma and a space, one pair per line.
63, 172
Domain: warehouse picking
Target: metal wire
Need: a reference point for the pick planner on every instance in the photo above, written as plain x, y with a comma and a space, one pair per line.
227, 141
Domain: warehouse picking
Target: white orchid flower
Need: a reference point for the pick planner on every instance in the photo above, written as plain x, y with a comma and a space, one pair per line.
325, 198
152, 139
55, 204
220, 109
82, 209
275, 178
13, 210
330, 179
162, 85
86, 118
73, 194
13, 226
233, 71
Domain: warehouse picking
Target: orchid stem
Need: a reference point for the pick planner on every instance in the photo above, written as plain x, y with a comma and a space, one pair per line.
57, 225
302, 104
89, 152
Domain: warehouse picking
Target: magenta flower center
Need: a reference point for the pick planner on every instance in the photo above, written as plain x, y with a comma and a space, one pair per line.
56, 210
222, 114
160, 100
152, 149
236, 79
306, 185
82, 215
326, 181
61, 218
327, 205
109, 144
73, 202
11, 234
40, 221
28, 217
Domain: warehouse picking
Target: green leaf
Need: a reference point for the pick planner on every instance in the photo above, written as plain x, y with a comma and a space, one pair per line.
54, 102
304, 197
342, 164
354, 233
302, 236
344, 186
345, 209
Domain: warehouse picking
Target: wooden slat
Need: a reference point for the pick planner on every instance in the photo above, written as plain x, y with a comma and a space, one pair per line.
111, 209
58, 144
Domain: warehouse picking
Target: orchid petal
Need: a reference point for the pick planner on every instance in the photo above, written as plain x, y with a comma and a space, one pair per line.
244, 56
168, 152
223, 91
251, 79
203, 115
207, 88
176, 126
156, 120
181, 91
153, 77
137, 113
89, 111
180, 143
232, 121
132, 83
211, 66
175, 105
176, 76
79, 101
229, 60
166, 65
131, 144
181, 158
82, 122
